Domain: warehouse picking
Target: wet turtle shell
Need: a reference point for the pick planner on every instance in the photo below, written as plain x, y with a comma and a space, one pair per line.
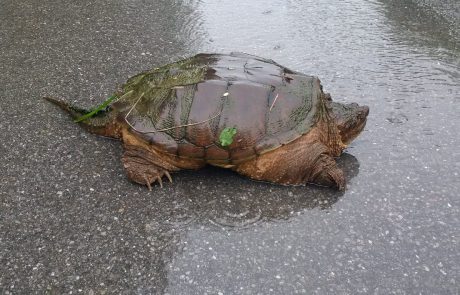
183, 108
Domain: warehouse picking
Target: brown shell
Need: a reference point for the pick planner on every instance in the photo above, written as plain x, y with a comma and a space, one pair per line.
183, 107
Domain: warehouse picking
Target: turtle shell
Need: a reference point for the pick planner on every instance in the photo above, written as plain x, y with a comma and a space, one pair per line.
183, 107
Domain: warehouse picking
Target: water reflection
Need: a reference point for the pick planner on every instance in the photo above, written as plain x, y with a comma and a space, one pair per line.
422, 26
216, 199
225, 199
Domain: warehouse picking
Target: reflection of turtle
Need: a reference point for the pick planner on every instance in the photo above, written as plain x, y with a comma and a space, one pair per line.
234, 111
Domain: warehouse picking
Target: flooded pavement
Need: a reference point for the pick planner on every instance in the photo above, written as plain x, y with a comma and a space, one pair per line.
71, 222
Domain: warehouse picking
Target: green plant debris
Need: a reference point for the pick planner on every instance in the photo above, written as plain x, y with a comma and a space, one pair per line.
226, 136
96, 110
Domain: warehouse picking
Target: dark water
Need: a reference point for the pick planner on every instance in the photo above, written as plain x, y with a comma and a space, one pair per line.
71, 222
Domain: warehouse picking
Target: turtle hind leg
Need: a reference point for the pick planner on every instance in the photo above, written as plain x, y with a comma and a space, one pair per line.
145, 167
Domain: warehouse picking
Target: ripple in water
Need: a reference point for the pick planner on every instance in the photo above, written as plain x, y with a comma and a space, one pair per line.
240, 219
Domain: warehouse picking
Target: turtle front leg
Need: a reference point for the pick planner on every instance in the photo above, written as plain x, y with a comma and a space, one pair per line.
144, 167
326, 172
300, 162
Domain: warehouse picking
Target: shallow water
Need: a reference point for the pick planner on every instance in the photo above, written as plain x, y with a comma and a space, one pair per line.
73, 222
395, 229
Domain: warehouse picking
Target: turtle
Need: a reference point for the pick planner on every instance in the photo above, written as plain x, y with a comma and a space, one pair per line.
236, 111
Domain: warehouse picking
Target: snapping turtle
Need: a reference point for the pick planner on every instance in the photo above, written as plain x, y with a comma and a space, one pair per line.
234, 111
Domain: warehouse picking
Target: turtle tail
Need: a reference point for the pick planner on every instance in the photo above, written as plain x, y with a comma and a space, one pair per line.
100, 122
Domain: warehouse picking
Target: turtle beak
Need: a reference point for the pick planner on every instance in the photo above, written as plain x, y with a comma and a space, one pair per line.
362, 113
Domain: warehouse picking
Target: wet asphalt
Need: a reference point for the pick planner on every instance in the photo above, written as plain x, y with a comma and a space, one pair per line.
71, 222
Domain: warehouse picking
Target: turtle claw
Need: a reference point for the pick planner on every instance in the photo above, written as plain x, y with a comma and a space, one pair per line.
147, 182
168, 176
157, 178
143, 169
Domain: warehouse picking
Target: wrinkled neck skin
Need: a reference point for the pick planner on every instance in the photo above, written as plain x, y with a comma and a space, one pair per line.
350, 118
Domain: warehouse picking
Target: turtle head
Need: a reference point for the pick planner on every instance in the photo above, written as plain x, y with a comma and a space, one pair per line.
350, 118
